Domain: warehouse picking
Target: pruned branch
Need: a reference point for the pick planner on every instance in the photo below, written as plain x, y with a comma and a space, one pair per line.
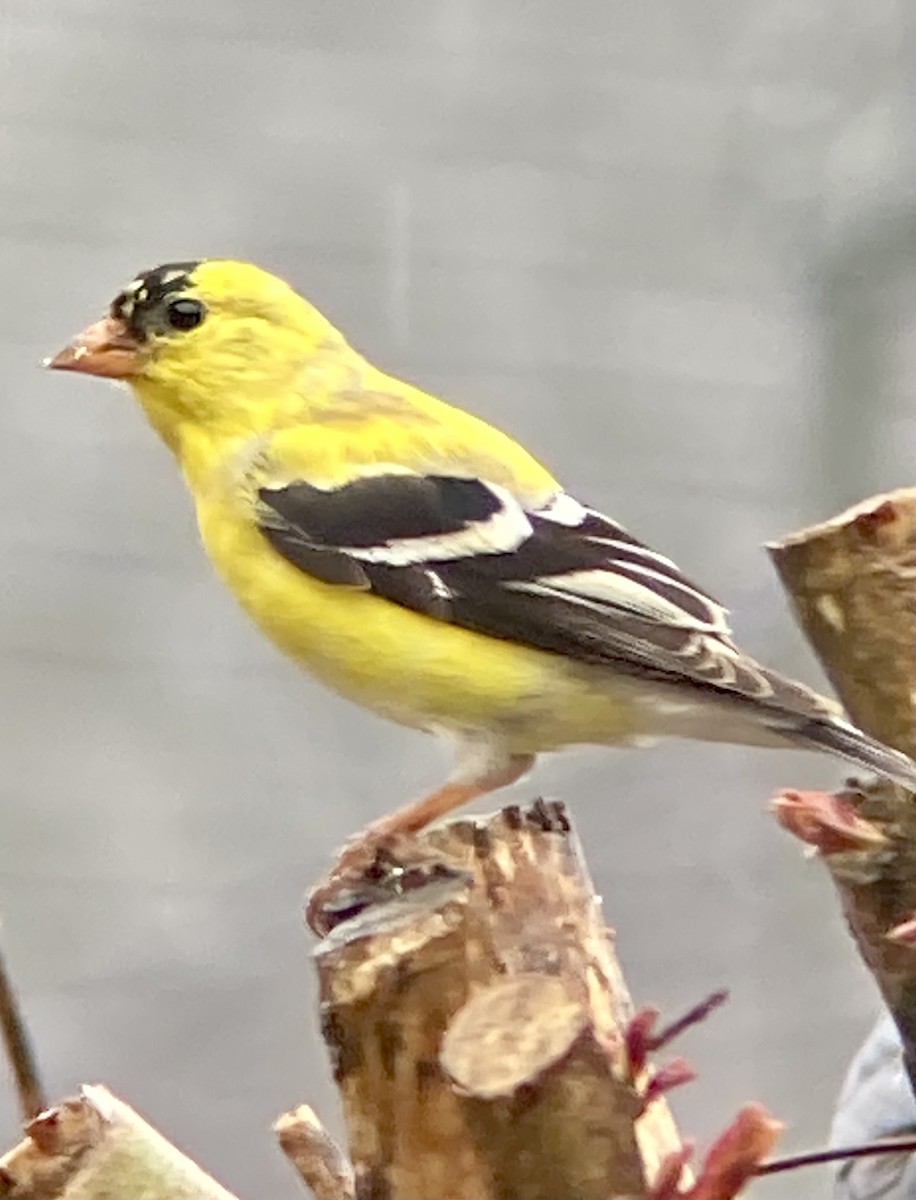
853, 584
97, 1148
316, 1157
477, 1021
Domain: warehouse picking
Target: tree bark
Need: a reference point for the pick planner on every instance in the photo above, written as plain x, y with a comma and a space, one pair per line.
97, 1148
314, 1154
852, 581
477, 1026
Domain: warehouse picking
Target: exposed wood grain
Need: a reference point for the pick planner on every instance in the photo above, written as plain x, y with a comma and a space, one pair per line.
477, 1027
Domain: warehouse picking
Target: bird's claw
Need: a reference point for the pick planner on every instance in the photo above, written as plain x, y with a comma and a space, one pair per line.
372, 869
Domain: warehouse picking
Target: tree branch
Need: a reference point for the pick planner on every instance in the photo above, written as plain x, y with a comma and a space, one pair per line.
94, 1147
316, 1157
852, 581
18, 1046
477, 1023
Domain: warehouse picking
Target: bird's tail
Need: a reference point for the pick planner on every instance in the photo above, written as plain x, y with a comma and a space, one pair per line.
845, 741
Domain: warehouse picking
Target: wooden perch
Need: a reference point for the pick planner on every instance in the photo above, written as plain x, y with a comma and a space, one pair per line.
314, 1154
97, 1148
852, 581
477, 1025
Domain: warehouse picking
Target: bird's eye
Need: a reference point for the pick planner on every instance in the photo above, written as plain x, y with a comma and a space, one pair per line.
184, 313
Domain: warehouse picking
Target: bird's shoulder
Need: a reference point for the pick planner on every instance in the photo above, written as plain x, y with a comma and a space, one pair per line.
375, 425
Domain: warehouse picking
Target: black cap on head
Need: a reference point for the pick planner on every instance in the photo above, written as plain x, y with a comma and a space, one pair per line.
142, 302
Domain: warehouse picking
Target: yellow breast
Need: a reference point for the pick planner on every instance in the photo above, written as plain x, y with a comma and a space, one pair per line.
411, 668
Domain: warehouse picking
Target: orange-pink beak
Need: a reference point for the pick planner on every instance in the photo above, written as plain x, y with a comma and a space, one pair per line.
107, 348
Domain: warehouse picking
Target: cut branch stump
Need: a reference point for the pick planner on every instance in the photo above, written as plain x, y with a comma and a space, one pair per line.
477, 1026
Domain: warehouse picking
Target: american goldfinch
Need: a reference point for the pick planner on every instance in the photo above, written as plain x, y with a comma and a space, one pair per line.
420, 561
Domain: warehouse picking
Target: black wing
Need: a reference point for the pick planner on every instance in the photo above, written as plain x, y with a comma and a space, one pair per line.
562, 578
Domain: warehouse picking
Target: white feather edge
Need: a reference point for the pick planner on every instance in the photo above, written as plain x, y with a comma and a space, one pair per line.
507, 528
500, 533
605, 587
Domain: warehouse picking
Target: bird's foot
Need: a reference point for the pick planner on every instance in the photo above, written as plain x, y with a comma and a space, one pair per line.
373, 868
386, 860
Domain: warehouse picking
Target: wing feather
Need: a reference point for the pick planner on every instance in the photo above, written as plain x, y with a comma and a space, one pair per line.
560, 577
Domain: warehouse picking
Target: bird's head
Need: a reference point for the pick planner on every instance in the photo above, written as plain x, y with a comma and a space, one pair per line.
206, 342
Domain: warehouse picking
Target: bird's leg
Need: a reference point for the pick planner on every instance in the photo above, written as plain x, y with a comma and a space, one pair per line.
368, 849
453, 794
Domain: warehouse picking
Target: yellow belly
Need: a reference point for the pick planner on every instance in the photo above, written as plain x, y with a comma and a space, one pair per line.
409, 667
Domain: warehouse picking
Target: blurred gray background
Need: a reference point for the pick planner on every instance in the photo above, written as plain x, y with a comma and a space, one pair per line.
670, 246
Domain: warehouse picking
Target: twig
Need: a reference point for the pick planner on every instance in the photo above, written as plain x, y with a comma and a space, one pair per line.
19, 1051
693, 1016
317, 1158
811, 1158
732, 1160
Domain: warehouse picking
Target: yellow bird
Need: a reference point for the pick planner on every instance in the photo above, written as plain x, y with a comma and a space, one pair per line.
420, 561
